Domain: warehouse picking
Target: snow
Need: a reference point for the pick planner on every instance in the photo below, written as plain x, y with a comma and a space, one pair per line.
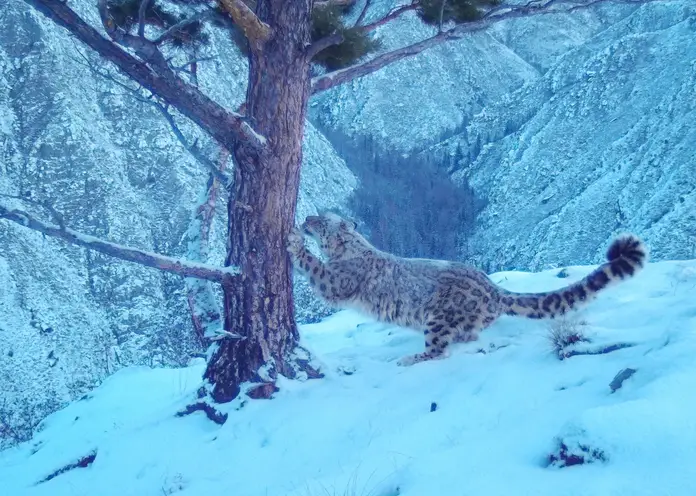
502, 406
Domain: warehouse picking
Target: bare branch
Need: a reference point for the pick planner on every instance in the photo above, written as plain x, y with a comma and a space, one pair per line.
442, 16
199, 17
229, 128
145, 49
57, 216
363, 13
341, 76
192, 148
334, 38
536, 7
184, 268
195, 152
204, 307
395, 13
256, 31
328, 3
144, 4
197, 60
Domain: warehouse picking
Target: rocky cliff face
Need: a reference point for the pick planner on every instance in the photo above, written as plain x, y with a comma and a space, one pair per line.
604, 142
112, 166
570, 127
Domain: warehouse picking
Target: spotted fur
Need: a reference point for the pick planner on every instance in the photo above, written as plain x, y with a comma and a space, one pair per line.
450, 301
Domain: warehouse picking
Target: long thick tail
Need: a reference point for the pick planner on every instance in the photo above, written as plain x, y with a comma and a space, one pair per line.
625, 257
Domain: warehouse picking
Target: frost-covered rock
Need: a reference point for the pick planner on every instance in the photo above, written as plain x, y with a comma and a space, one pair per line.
111, 165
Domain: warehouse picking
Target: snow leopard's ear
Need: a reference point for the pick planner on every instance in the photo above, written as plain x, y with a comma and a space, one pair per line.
349, 224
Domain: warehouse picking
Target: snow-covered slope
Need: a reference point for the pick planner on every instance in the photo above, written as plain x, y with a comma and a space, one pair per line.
111, 165
487, 420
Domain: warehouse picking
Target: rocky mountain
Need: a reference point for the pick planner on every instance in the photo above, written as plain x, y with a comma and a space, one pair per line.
569, 127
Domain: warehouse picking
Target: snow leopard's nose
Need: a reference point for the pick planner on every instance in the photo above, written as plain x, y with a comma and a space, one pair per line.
315, 221
311, 221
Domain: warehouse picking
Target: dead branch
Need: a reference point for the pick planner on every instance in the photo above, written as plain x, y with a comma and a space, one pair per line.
334, 38
498, 14
205, 310
192, 149
329, 3
536, 7
46, 205
144, 48
442, 16
342, 76
199, 17
255, 30
363, 13
196, 60
229, 128
184, 268
393, 14
144, 4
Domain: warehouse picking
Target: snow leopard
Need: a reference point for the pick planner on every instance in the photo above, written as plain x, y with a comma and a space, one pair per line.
449, 301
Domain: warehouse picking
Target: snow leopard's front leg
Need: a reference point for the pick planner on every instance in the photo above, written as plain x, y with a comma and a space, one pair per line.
305, 262
302, 259
332, 283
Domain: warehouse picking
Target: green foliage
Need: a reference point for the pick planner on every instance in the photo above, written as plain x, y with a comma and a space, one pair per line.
125, 14
326, 20
459, 11
356, 44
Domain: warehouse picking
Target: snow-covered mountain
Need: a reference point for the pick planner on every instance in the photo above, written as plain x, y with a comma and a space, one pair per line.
570, 127
502, 415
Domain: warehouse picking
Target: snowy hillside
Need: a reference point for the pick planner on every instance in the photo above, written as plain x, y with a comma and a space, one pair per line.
488, 420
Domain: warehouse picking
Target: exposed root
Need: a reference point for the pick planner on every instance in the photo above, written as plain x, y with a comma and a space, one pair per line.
262, 391
210, 412
599, 351
83, 462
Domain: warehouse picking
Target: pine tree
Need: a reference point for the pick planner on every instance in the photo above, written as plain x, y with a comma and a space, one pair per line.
284, 40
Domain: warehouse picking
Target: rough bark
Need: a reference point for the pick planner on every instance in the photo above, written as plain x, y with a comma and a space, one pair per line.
262, 212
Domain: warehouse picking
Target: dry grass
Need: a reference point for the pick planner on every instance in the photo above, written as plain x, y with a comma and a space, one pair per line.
565, 333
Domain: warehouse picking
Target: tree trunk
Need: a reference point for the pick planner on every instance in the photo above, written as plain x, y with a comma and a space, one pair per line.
259, 305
